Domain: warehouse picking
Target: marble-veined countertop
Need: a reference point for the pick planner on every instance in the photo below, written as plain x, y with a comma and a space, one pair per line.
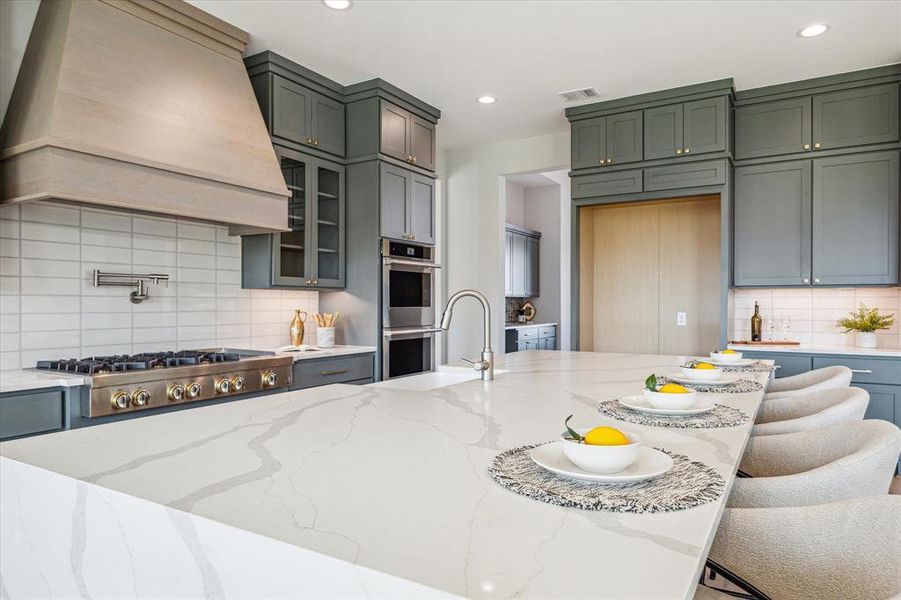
819, 349
312, 352
369, 490
529, 324
29, 379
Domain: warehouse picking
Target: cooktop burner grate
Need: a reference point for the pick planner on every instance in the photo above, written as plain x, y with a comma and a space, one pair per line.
138, 362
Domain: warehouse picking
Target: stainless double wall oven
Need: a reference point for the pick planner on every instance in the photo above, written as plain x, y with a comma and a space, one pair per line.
408, 309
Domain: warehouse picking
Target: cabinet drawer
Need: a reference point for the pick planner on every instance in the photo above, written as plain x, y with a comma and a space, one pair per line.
866, 370
527, 333
27, 413
312, 373
547, 332
606, 184
685, 175
885, 402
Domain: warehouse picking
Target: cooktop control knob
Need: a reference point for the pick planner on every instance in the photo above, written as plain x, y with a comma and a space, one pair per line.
120, 400
176, 392
193, 390
238, 383
223, 386
270, 378
141, 398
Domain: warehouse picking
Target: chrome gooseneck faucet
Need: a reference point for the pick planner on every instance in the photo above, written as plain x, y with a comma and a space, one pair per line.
486, 364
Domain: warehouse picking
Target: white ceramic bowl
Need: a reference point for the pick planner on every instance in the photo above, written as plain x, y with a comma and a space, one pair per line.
669, 401
719, 356
601, 459
703, 374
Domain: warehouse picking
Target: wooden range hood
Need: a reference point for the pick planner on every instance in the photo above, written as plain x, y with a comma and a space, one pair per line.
141, 105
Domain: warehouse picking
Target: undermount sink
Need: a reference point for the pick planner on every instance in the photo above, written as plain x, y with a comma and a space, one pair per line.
443, 377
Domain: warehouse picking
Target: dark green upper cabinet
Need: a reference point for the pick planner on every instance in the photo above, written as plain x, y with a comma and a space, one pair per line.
695, 127
624, 138
406, 137
303, 116
328, 125
855, 219
310, 255
407, 201
772, 128
614, 139
772, 224
291, 106
855, 117
704, 125
589, 143
663, 131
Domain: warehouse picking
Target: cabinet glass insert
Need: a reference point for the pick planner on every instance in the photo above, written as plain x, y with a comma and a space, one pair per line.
292, 261
328, 216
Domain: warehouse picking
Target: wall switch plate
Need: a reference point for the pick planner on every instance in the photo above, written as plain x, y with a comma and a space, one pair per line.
680, 319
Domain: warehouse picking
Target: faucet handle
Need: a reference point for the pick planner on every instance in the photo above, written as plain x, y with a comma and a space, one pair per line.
477, 365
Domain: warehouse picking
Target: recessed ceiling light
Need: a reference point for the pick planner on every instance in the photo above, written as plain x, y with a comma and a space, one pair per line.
487, 99
337, 4
814, 30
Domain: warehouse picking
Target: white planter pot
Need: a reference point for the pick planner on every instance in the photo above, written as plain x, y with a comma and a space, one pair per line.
325, 337
866, 339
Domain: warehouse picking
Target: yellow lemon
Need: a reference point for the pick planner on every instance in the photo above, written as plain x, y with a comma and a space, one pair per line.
606, 436
727, 351
673, 388
703, 365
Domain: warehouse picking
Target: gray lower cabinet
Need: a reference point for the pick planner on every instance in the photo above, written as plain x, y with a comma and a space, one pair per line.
786, 364
855, 117
855, 219
522, 262
531, 338
694, 127
303, 116
312, 254
355, 368
30, 412
772, 224
407, 202
406, 137
613, 139
772, 128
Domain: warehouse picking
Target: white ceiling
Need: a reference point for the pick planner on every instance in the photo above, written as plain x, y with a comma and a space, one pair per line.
450, 52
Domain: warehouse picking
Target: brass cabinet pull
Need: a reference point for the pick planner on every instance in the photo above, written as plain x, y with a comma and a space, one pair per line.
335, 372
805, 280
816, 279
687, 150
807, 146
816, 146
866, 371
309, 140
307, 282
678, 150
315, 282
316, 141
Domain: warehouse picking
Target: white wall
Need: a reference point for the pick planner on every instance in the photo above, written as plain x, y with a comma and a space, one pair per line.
475, 216
50, 309
515, 203
542, 213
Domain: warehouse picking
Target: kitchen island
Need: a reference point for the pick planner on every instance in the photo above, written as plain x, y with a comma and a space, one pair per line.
347, 491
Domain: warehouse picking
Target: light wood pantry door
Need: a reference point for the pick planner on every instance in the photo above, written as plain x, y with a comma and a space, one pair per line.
642, 264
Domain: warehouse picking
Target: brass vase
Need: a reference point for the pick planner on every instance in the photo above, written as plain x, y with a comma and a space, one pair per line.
296, 330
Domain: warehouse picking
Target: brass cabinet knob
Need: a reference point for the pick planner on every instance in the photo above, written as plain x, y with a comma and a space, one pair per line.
603, 160
315, 282
414, 159
316, 142
609, 160
687, 150
805, 280
816, 146
308, 282
807, 146
412, 237
678, 150
816, 279
309, 140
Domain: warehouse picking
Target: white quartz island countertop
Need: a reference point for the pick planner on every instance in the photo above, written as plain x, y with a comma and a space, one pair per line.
346, 491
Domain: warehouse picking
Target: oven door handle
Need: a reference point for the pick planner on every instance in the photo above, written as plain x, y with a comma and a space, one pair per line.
415, 263
389, 333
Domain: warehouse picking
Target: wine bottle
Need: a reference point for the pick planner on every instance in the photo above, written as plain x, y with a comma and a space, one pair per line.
756, 324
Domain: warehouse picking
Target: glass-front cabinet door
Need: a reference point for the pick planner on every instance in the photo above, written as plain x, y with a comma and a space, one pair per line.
311, 254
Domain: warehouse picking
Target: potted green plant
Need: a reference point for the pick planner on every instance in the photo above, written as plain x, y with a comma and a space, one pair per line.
865, 322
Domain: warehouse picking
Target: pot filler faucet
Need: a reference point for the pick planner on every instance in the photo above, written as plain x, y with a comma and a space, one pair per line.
486, 365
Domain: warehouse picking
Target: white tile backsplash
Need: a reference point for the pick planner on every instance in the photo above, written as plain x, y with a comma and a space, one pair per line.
812, 313
49, 307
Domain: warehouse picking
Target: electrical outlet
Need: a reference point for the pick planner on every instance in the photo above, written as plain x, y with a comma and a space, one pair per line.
680, 319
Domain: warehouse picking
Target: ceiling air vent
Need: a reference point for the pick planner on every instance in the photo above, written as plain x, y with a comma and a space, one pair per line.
579, 94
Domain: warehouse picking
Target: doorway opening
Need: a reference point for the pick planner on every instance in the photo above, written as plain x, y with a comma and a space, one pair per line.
537, 205
650, 276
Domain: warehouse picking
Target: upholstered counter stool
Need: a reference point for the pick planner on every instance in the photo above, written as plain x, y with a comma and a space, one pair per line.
810, 410
827, 378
